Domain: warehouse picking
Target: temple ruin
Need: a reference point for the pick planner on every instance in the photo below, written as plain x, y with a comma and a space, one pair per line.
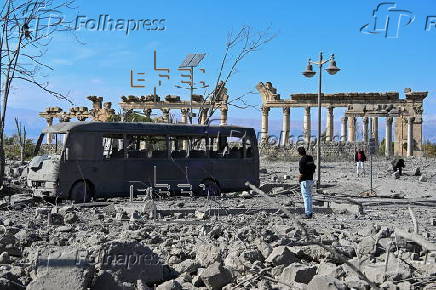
103, 112
407, 114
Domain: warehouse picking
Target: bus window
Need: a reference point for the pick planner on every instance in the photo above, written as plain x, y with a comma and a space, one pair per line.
217, 146
144, 146
197, 148
248, 148
156, 146
113, 146
226, 147
178, 147
235, 148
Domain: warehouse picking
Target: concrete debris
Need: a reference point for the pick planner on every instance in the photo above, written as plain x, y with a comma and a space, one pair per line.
350, 208
201, 215
423, 178
319, 282
298, 273
55, 219
226, 242
70, 218
170, 285
282, 256
4, 258
216, 276
245, 194
60, 269
137, 261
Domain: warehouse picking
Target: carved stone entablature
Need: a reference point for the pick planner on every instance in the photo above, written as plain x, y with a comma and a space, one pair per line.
172, 99
416, 96
197, 98
268, 92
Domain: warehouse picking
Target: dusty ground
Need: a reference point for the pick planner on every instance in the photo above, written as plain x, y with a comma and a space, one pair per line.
241, 241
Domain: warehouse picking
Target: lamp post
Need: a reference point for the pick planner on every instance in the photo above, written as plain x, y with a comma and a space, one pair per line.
332, 69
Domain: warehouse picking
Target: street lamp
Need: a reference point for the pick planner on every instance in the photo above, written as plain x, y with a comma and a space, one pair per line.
309, 72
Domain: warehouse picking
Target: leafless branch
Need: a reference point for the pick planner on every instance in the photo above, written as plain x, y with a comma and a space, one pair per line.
238, 46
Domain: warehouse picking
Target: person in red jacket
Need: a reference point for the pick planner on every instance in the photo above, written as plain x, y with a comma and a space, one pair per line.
360, 158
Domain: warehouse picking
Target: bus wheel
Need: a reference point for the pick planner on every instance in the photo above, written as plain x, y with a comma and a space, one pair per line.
211, 188
81, 192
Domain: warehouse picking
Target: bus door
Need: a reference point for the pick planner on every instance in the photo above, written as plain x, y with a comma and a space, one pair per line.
111, 168
198, 166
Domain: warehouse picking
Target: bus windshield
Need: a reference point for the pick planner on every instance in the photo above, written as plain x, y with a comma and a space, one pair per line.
50, 143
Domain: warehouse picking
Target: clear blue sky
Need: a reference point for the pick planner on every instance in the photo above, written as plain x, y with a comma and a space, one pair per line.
368, 62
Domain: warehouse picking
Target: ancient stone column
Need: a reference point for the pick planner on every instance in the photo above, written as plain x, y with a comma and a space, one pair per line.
329, 125
264, 124
307, 125
410, 141
286, 126
184, 115
374, 129
49, 123
365, 129
166, 115
351, 129
344, 121
388, 137
223, 118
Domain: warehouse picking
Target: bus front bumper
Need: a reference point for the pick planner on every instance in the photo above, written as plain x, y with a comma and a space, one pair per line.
44, 188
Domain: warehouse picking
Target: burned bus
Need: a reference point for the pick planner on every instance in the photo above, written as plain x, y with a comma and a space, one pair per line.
92, 160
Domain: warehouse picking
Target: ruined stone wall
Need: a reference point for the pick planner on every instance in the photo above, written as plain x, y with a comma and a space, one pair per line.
330, 151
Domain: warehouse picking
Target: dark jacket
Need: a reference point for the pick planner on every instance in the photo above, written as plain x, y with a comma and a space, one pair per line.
307, 168
356, 159
398, 163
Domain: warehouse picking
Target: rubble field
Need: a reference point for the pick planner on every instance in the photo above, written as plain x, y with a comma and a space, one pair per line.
255, 239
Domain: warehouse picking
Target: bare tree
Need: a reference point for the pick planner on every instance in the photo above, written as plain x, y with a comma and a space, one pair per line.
21, 138
238, 46
27, 27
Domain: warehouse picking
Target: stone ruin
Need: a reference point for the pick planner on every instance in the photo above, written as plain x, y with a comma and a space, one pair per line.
407, 114
103, 112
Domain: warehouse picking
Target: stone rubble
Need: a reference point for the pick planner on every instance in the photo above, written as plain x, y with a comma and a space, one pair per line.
119, 247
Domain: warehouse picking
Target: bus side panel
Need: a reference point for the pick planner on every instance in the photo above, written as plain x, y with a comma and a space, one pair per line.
197, 171
104, 175
85, 162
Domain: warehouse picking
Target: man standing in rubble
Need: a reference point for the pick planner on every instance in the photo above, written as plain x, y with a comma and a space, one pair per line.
307, 169
360, 158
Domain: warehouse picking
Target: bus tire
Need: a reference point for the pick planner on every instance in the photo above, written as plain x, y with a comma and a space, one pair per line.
81, 192
211, 188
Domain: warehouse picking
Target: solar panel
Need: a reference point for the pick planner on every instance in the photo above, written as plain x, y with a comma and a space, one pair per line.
192, 60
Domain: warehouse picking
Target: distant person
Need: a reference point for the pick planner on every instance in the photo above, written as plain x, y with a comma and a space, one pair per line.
307, 169
398, 165
360, 158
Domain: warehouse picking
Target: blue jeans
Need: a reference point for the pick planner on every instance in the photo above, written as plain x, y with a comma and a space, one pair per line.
306, 192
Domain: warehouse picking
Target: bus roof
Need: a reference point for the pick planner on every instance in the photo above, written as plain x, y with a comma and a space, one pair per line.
130, 127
